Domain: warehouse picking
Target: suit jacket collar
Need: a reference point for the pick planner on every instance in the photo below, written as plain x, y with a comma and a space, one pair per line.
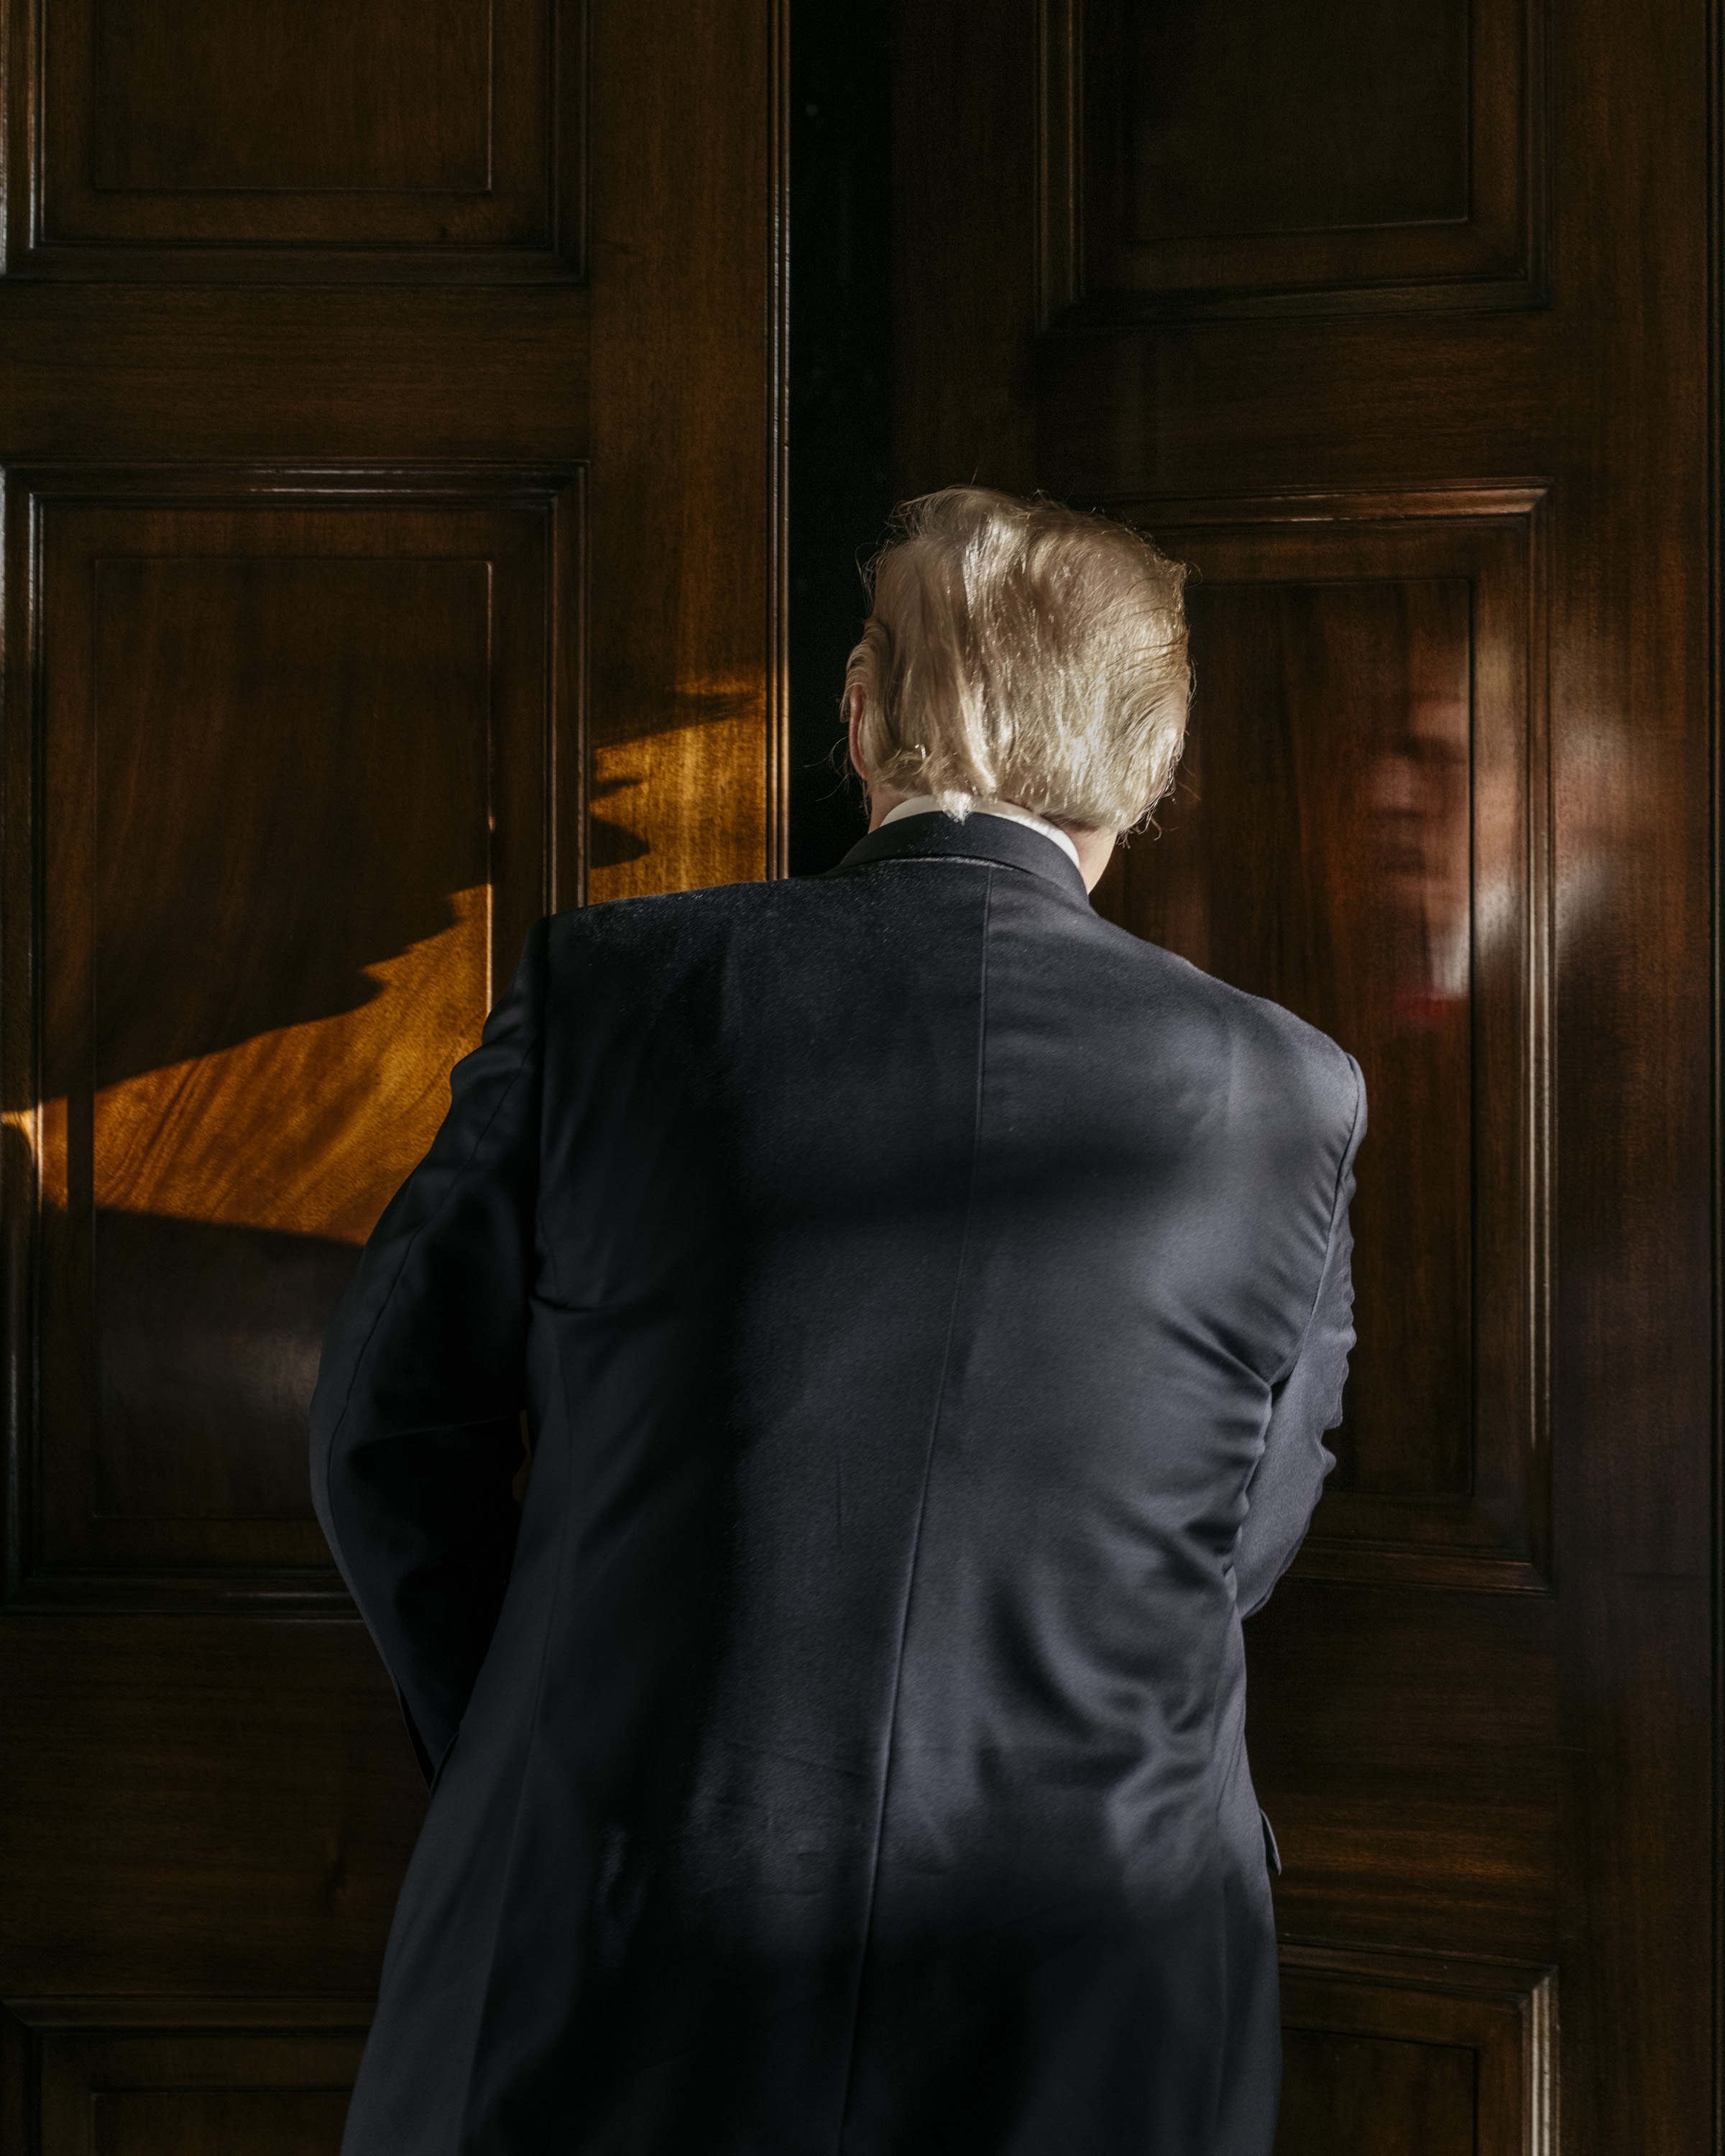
978, 838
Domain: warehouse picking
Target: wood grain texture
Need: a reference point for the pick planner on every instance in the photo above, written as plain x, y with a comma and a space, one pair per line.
1631, 575
375, 98
1390, 2054
1213, 407
1332, 874
1384, 2094
1353, 836
1265, 159
687, 653
208, 1806
138, 373
1407, 1745
208, 1155
367, 139
301, 438
1568, 1730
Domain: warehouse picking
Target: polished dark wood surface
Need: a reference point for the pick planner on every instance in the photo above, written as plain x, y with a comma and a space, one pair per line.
1397, 2055
351, 830
1441, 459
1254, 158
318, 139
1355, 835
390, 418
124, 2077
687, 656
231, 1809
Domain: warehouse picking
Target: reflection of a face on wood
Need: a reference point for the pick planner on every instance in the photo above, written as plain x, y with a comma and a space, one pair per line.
1329, 847
307, 1129
1419, 789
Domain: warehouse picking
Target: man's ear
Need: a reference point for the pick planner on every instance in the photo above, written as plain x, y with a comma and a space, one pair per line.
854, 711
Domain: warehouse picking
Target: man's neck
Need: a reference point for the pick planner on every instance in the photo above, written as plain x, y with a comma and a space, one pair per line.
1088, 850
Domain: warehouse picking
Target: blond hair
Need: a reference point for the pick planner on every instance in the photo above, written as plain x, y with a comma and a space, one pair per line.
1024, 652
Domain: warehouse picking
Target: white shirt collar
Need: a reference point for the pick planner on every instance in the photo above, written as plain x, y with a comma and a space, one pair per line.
925, 804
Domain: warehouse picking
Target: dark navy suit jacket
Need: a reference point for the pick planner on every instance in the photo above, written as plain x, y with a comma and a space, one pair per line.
928, 1301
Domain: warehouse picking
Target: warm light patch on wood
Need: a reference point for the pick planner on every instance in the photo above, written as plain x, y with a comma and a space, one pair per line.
696, 786
309, 1129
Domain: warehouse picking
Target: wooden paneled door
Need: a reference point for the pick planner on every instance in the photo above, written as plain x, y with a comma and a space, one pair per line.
390, 442
1393, 317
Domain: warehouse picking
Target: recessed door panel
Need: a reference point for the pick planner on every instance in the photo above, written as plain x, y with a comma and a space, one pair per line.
298, 810
1258, 157
291, 138
1350, 836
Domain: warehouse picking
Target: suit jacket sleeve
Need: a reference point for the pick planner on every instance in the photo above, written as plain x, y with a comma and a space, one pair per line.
1304, 1404
416, 1420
